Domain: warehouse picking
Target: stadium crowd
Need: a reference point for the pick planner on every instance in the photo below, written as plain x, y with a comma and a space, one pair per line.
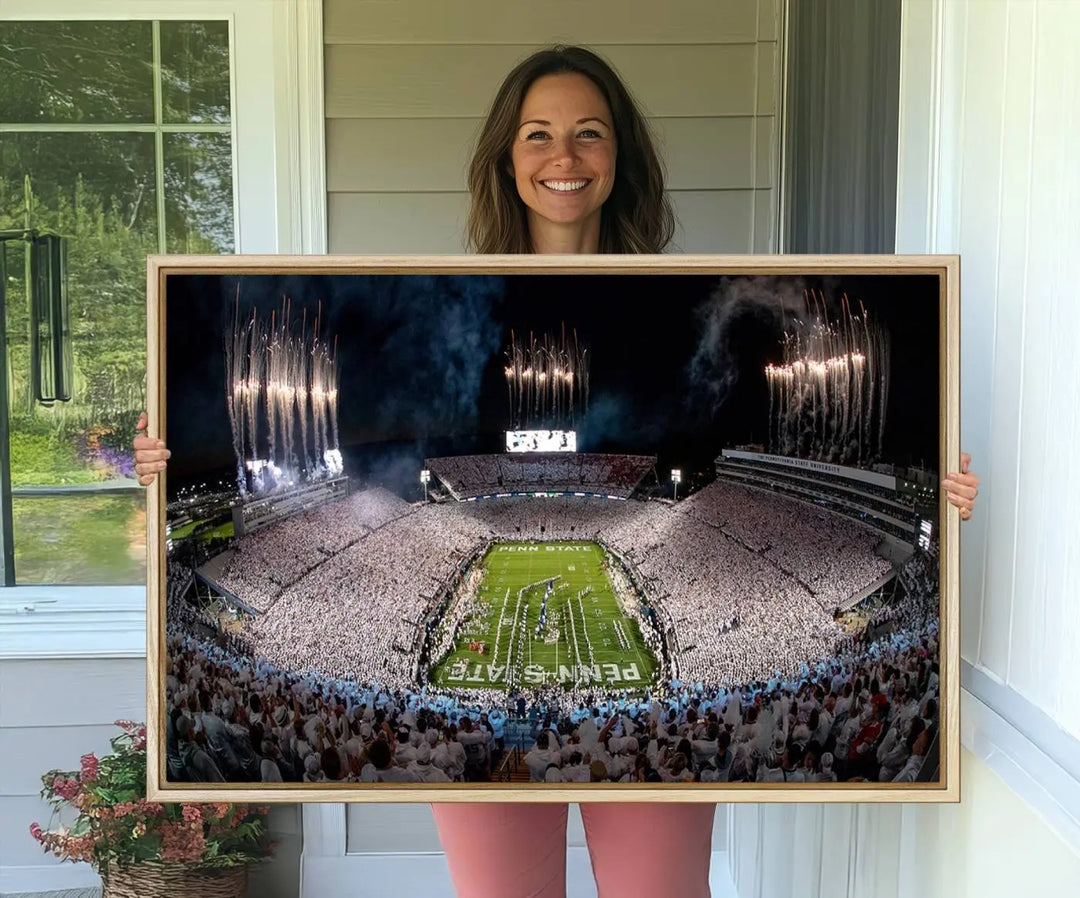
869, 712
726, 553
485, 475
271, 559
311, 687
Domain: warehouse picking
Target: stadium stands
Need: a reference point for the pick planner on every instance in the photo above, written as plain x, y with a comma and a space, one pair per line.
470, 476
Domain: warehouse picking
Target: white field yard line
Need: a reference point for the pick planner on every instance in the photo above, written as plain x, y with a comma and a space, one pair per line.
513, 634
573, 634
584, 625
498, 627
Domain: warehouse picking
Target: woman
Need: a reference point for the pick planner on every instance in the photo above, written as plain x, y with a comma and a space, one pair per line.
565, 164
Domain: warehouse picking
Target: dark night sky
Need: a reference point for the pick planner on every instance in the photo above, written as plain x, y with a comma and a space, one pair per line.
676, 363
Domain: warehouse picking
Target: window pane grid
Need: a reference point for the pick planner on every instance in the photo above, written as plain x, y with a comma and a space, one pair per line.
79, 517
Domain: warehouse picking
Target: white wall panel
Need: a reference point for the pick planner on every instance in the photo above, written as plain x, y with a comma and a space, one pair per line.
765, 151
769, 12
1003, 177
1006, 199
1011, 278
397, 222
766, 97
459, 80
707, 153
29, 751
19, 847
1048, 512
713, 221
399, 154
82, 692
766, 221
595, 24
978, 222
375, 829
407, 86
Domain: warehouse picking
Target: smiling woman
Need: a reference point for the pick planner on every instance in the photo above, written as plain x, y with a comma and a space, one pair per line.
543, 178
563, 162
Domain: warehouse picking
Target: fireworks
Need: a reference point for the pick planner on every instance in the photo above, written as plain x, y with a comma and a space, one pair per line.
275, 375
547, 382
827, 399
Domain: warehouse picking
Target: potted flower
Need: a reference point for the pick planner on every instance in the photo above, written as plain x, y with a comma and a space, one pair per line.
142, 847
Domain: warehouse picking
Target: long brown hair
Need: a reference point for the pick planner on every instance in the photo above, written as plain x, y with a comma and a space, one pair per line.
637, 216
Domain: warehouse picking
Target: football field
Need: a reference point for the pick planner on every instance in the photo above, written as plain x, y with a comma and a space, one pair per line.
547, 613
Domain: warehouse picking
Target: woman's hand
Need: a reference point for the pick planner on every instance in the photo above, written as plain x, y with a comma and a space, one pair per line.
150, 454
962, 488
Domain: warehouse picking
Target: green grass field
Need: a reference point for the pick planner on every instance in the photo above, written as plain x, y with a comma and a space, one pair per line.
582, 602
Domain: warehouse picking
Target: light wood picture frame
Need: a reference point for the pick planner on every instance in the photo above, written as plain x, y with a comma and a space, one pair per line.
802, 563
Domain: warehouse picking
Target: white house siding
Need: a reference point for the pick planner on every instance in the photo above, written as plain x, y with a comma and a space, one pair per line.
408, 84
54, 710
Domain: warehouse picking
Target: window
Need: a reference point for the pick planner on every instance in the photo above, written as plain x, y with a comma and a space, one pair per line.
116, 135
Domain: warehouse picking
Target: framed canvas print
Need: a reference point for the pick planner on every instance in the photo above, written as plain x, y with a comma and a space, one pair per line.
553, 528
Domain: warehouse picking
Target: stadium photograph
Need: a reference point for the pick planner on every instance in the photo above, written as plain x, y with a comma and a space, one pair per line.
515, 529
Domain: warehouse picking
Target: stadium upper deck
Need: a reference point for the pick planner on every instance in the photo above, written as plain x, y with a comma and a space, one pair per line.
473, 476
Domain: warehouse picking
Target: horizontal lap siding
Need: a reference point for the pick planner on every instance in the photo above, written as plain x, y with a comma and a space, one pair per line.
709, 221
395, 155
53, 711
407, 86
592, 24
459, 81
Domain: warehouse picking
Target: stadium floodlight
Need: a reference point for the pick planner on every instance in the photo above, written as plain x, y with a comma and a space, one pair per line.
676, 478
425, 478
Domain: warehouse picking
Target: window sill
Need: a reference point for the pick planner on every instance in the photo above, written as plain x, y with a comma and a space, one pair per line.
73, 622
1035, 758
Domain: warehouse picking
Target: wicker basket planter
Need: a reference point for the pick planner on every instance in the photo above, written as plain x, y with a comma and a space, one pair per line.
173, 880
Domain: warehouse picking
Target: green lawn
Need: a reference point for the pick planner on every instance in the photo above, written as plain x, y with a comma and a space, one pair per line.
221, 531
516, 574
81, 538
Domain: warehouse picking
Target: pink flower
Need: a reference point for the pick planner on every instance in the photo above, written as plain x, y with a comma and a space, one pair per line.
89, 767
192, 814
182, 842
123, 808
36, 831
65, 788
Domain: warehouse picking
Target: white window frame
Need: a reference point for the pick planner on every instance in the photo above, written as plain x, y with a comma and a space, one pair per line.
276, 59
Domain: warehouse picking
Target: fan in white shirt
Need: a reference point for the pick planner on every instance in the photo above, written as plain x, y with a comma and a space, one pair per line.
541, 756
423, 769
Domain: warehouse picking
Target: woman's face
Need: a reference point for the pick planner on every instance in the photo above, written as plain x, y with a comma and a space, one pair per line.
563, 153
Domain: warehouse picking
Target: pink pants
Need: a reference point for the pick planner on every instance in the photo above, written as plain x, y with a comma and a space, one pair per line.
644, 850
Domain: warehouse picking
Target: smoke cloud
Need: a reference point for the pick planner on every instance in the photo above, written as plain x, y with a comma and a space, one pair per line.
776, 302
